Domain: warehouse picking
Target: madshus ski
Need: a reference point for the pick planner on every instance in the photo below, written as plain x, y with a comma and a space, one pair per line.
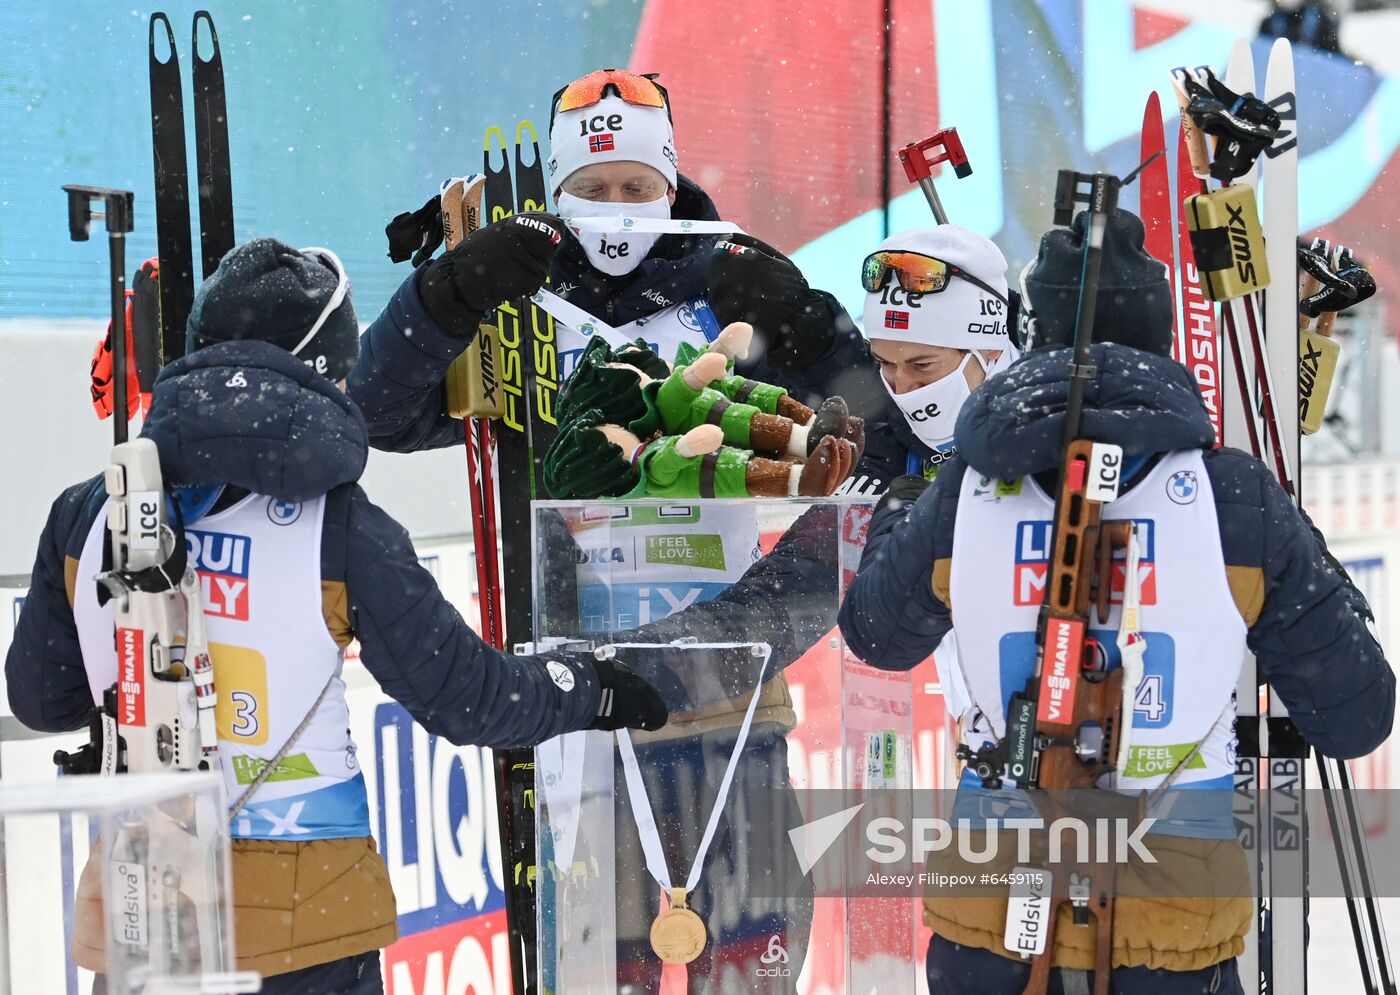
1257, 393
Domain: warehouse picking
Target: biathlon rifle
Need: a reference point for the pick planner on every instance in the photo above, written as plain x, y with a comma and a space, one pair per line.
159, 715
1069, 728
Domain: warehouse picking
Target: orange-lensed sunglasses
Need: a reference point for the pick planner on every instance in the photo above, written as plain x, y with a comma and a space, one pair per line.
915, 272
641, 90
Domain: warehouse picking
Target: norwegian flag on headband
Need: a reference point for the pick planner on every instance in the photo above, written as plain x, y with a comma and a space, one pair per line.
600, 143
897, 319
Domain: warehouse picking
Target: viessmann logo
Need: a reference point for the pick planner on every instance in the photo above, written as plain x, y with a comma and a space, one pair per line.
1065, 638
1033, 561
131, 677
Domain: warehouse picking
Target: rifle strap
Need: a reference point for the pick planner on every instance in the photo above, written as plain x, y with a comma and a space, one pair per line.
1157, 792
271, 766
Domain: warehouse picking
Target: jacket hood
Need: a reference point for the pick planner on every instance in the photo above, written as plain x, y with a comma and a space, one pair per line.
251, 415
676, 269
1011, 425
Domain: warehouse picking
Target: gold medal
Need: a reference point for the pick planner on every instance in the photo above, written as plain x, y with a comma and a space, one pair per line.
678, 934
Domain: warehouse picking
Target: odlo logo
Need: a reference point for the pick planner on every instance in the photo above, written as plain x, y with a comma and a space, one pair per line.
774, 959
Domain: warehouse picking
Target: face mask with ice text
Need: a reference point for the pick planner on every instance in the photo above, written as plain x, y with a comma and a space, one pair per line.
614, 253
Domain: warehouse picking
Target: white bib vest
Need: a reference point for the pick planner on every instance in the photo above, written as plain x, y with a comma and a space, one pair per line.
689, 321
259, 564
1195, 634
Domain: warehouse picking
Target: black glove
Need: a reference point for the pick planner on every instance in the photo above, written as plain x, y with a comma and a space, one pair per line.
754, 282
626, 701
501, 262
903, 491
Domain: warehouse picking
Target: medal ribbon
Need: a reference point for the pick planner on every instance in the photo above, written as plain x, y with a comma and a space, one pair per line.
642, 812
663, 226
560, 762
575, 317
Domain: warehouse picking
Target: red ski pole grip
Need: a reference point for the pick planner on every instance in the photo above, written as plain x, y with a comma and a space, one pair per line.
919, 158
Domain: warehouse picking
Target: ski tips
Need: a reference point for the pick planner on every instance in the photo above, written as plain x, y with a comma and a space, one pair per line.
159, 18
207, 18
534, 144
500, 142
1153, 107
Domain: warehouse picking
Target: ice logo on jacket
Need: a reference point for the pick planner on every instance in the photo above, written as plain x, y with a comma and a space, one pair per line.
221, 561
1033, 560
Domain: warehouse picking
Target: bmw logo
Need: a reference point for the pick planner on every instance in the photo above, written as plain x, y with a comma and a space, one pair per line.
283, 512
1182, 486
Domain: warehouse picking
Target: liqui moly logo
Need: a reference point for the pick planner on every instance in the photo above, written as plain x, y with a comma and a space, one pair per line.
1059, 675
1033, 562
131, 677
221, 560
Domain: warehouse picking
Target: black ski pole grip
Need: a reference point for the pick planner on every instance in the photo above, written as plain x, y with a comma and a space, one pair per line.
118, 212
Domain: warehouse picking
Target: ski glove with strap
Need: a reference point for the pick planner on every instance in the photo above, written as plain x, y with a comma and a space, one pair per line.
754, 282
502, 262
625, 700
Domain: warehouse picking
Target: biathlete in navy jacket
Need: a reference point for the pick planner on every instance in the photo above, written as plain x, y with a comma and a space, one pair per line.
666, 289
1232, 563
265, 450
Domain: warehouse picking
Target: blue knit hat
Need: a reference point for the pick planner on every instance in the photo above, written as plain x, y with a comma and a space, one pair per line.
1134, 306
267, 291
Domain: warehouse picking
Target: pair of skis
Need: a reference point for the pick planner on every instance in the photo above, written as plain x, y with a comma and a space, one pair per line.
1253, 400
505, 466
214, 185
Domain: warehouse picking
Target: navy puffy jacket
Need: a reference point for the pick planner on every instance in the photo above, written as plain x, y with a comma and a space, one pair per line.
404, 354
1310, 630
296, 437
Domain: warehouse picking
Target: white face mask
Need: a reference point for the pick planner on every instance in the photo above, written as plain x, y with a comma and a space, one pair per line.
932, 410
614, 254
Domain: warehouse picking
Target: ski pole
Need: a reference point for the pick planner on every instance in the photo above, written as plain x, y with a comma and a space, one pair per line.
118, 210
919, 159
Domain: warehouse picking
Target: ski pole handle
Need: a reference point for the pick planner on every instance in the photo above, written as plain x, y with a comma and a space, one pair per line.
118, 211
919, 159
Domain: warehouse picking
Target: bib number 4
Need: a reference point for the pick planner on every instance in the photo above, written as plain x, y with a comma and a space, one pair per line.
1150, 702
